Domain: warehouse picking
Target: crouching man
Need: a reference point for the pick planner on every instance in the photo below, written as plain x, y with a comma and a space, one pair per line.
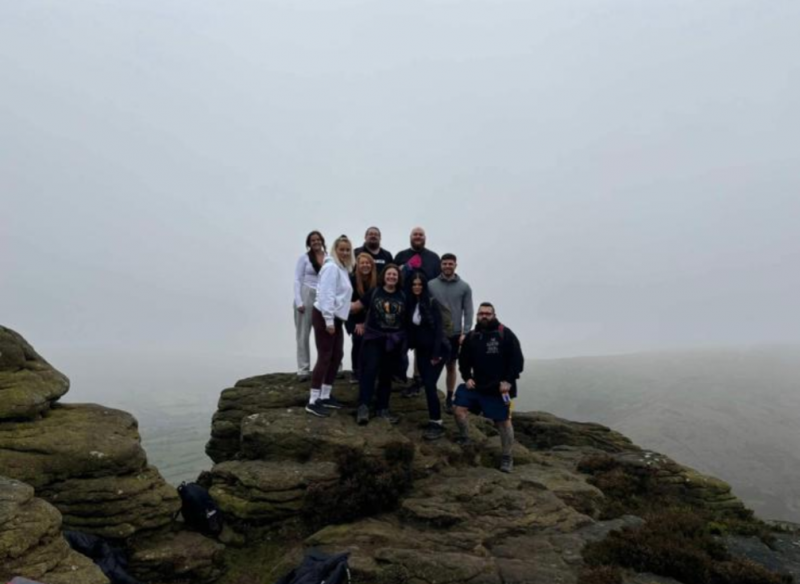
490, 363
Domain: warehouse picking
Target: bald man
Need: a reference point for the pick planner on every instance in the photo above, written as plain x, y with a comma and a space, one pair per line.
419, 257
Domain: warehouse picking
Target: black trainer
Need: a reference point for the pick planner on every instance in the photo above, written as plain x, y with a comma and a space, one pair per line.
331, 403
434, 431
317, 409
388, 416
362, 416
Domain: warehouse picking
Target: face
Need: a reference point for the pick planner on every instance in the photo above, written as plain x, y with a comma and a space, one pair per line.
343, 251
364, 266
485, 314
373, 237
418, 238
448, 268
316, 242
417, 287
391, 277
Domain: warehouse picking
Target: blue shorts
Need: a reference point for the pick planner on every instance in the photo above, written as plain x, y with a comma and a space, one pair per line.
491, 405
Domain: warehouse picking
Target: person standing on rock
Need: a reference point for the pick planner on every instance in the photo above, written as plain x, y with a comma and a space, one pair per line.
331, 309
416, 258
491, 362
372, 246
427, 337
306, 277
383, 345
364, 280
454, 293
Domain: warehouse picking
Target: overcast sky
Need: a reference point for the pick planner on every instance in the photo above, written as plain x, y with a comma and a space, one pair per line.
613, 175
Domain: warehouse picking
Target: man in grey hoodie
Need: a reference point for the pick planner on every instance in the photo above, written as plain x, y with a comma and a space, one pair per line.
454, 293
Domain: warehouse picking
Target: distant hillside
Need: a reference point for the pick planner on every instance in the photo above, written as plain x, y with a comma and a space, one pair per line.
731, 413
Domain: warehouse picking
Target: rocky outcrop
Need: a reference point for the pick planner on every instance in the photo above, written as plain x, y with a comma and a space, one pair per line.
28, 384
86, 460
458, 519
31, 543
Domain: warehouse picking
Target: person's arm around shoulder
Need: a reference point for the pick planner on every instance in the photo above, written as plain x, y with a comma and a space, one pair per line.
299, 272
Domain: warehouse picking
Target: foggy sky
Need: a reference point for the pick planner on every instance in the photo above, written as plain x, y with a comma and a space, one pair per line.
613, 175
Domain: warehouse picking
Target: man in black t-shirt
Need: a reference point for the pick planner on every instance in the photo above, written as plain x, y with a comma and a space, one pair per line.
419, 257
372, 246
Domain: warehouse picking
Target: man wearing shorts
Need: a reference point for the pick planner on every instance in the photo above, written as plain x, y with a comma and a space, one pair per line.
490, 363
454, 293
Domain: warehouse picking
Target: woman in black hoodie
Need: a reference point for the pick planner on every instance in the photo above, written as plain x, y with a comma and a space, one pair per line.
426, 335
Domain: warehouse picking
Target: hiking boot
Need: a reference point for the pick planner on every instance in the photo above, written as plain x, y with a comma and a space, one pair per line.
303, 377
317, 409
506, 464
331, 403
388, 416
362, 416
448, 405
463, 441
434, 431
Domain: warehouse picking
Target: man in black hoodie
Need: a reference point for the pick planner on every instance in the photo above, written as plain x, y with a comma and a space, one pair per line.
491, 361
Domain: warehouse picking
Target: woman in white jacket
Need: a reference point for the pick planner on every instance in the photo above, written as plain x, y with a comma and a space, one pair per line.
331, 309
306, 277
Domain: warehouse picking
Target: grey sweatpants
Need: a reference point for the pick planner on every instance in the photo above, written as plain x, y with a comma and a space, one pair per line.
302, 325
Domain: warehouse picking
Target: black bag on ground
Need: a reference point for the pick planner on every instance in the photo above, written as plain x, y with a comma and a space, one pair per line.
319, 568
111, 561
199, 510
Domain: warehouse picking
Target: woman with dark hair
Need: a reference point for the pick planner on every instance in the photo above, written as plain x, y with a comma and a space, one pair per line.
426, 335
364, 281
383, 344
306, 278
331, 310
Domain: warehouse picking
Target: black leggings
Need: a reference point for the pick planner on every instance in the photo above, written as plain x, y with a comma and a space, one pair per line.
376, 364
429, 374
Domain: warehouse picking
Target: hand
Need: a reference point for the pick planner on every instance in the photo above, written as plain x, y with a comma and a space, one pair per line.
301, 309
505, 387
435, 361
360, 329
331, 330
470, 384
355, 306
461, 339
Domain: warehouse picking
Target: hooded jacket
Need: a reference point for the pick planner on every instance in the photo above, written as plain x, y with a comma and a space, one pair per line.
334, 292
490, 355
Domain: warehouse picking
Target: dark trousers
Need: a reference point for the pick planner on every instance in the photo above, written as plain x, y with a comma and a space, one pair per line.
429, 374
355, 353
330, 350
376, 363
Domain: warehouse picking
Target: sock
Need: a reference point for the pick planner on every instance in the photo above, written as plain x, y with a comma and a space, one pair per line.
325, 392
463, 427
507, 439
312, 399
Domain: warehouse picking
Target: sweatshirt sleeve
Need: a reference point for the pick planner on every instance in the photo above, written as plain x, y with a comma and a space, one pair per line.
326, 292
465, 360
513, 360
469, 310
299, 268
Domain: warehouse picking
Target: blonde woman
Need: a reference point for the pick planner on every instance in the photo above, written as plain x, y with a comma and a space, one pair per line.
331, 309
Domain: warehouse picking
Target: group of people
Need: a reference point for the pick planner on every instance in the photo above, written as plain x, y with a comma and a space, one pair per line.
390, 305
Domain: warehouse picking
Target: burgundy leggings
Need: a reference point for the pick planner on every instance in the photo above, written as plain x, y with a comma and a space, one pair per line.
330, 350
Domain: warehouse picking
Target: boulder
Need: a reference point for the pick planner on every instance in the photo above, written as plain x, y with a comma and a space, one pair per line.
31, 543
182, 555
28, 384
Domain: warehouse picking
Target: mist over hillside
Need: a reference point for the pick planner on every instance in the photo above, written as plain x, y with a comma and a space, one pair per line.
733, 413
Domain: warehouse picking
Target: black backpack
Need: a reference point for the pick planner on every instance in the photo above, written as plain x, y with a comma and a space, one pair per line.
199, 510
109, 559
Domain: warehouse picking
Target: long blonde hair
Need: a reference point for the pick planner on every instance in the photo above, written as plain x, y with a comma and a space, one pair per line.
334, 255
364, 284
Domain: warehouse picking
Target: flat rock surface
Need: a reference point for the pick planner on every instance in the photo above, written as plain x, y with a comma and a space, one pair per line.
28, 383
183, 555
